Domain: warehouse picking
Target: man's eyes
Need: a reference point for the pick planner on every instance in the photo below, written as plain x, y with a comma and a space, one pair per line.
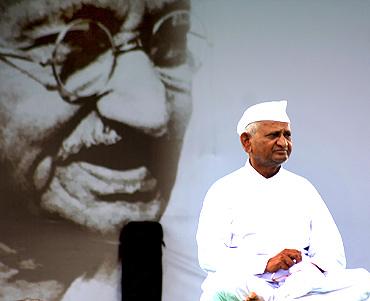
287, 135
84, 41
273, 135
167, 44
169, 52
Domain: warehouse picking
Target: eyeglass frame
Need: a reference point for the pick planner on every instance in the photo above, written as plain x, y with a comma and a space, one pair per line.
68, 96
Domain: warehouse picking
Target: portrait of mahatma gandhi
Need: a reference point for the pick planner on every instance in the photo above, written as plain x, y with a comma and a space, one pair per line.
94, 103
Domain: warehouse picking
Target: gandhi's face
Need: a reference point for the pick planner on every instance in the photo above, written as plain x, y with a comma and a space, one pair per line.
97, 158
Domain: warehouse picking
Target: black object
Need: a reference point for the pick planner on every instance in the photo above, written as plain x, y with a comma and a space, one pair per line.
140, 252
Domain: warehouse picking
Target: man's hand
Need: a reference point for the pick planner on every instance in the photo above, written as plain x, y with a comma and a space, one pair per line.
284, 260
254, 297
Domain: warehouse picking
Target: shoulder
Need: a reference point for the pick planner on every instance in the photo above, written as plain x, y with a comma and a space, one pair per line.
297, 179
228, 181
301, 186
225, 188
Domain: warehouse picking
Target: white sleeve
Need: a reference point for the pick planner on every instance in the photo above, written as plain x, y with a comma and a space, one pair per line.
215, 238
212, 231
326, 246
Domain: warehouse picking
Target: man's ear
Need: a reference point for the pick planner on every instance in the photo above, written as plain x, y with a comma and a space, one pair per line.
245, 141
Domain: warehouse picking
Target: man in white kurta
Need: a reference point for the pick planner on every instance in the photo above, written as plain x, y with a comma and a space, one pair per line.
261, 215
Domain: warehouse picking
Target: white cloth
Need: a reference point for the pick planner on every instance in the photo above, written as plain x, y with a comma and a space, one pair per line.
271, 110
247, 219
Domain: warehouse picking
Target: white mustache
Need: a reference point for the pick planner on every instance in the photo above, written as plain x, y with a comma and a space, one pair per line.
90, 132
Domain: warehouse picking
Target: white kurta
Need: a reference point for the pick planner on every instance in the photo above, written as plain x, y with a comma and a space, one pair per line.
247, 219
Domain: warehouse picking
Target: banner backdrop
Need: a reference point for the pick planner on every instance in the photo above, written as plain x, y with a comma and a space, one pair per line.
95, 101
119, 110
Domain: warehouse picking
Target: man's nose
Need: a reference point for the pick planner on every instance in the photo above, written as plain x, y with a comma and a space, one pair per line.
138, 96
282, 141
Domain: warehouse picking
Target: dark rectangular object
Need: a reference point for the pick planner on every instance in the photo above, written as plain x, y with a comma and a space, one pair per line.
141, 256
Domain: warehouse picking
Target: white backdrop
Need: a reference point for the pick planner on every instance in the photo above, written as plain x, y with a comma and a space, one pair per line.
315, 54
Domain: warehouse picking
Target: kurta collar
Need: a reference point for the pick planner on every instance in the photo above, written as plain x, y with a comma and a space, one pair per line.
250, 170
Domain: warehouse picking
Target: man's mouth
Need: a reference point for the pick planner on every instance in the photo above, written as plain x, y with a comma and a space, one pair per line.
113, 185
281, 151
118, 165
98, 170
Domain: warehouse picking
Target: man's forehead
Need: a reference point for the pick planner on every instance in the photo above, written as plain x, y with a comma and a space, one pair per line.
43, 6
11, 11
47, 5
15, 15
268, 125
19, 15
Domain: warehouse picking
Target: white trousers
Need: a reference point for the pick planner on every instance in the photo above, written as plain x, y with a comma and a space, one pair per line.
343, 285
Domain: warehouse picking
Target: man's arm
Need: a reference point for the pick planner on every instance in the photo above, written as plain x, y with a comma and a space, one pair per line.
326, 246
212, 231
218, 246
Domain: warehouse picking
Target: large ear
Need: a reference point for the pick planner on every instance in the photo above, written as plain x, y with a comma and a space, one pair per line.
245, 141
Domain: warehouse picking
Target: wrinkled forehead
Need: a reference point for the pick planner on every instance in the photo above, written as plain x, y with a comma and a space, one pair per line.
18, 15
268, 126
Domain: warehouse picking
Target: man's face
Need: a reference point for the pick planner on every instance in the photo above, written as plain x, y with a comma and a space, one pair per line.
109, 158
271, 145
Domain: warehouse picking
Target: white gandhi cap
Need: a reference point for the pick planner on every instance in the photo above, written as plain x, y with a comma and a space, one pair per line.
265, 111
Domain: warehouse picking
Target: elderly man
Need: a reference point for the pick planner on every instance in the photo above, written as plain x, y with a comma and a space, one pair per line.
265, 233
94, 103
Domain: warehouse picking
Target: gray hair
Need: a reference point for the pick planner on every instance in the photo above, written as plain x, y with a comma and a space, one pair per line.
251, 128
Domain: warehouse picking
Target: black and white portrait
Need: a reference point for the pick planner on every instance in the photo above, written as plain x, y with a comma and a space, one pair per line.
95, 98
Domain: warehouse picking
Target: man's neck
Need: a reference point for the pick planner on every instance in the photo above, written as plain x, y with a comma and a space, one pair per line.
266, 171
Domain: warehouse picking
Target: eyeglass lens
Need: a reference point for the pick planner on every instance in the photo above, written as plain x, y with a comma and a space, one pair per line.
83, 58
168, 47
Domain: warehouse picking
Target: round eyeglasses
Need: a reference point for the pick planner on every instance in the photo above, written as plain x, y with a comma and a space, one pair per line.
83, 59
85, 54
